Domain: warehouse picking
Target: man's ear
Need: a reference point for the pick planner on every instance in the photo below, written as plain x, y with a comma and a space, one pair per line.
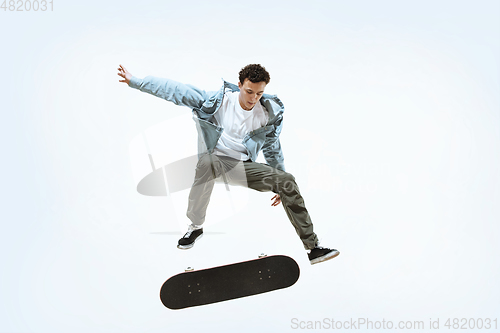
239, 85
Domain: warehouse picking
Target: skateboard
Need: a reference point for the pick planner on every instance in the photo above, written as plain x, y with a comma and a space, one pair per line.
217, 284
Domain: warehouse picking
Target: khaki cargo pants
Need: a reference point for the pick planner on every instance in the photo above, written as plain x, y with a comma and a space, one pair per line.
257, 176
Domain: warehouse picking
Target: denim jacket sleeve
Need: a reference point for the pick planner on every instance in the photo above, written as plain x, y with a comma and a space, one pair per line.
170, 90
272, 147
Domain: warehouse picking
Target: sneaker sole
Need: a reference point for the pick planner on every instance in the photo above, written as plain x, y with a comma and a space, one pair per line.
187, 247
326, 257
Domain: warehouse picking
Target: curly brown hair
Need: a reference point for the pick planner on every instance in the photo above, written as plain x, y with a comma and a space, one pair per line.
255, 73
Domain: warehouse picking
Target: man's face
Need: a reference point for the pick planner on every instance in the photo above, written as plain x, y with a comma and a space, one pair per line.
250, 93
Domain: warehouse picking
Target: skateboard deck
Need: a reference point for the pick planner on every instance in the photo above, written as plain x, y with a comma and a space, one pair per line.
217, 284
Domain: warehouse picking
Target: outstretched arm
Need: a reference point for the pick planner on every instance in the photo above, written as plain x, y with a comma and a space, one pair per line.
170, 90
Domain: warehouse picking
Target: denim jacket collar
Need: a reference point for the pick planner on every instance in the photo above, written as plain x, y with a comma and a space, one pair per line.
271, 102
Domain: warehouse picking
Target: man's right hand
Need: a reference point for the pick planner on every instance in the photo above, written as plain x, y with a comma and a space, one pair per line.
124, 73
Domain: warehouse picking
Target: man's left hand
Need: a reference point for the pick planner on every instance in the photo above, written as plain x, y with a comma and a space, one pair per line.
277, 200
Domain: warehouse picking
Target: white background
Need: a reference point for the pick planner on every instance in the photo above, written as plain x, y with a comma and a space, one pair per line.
391, 130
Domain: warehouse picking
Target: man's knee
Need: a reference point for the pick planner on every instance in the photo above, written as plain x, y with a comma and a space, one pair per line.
288, 177
204, 162
287, 182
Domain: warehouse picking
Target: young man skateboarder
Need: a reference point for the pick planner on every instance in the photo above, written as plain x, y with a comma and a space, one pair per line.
234, 124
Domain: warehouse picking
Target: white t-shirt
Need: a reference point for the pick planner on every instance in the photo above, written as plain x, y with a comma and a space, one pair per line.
237, 122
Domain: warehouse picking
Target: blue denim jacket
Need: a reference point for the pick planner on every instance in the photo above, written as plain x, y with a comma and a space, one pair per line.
205, 104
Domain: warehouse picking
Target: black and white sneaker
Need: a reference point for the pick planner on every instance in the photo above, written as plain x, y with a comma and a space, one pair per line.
187, 241
319, 254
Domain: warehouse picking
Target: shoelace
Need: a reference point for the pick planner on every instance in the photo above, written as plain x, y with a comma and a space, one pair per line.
188, 234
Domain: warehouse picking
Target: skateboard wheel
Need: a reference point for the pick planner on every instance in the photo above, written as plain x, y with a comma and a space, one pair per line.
262, 255
189, 269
